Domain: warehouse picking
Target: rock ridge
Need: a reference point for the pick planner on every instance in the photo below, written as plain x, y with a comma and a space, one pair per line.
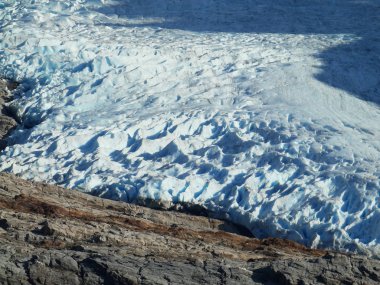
50, 235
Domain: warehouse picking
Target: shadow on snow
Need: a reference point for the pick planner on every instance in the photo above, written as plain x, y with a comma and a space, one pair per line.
353, 67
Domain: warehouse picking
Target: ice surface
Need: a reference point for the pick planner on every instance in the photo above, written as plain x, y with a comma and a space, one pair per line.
265, 111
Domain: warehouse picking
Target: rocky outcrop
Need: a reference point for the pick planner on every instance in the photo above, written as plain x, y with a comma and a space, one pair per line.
50, 235
7, 123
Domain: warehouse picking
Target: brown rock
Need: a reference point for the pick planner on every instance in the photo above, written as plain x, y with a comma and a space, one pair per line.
83, 239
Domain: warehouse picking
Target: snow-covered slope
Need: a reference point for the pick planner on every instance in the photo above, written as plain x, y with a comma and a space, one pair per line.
265, 110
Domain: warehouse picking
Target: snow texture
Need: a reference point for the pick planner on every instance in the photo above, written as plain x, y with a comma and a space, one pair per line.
265, 111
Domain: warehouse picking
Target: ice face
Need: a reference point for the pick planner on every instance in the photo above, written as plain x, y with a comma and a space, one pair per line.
266, 113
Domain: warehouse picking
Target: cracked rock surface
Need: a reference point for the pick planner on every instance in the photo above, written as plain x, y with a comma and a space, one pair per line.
50, 235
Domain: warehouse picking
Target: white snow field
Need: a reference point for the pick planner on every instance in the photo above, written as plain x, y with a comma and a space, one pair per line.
267, 112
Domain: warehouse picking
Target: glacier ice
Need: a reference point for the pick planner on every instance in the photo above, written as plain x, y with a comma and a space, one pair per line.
221, 103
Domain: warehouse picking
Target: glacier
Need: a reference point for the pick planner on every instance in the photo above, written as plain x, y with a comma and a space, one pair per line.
266, 112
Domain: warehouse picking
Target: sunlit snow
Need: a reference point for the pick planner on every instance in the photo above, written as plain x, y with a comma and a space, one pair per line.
264, 111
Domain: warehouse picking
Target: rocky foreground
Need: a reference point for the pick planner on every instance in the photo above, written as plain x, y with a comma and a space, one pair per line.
50, 235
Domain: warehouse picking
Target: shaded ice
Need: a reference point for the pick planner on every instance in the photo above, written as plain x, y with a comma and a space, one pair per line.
131, 100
